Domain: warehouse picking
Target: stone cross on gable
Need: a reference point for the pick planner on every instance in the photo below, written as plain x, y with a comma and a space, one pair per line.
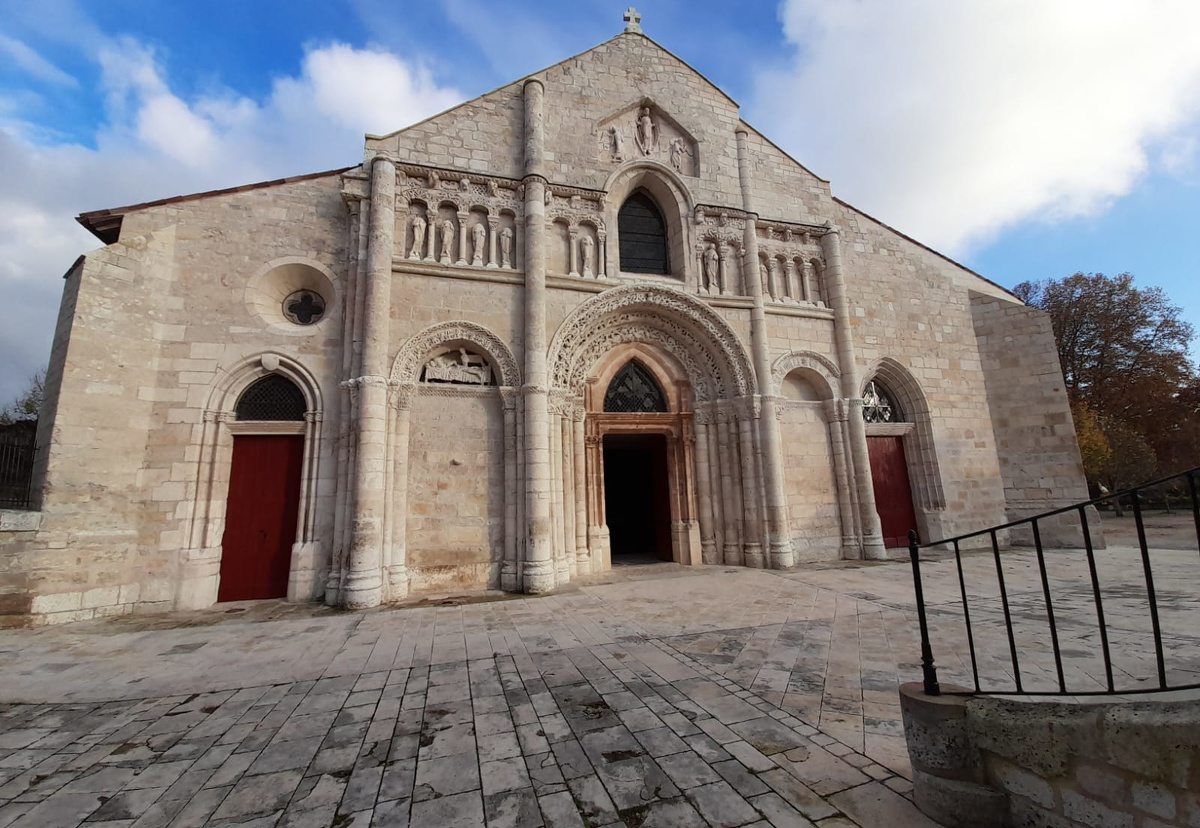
633, 20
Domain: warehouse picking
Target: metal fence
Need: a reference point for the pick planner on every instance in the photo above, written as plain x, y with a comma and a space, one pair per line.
16, 466
1179, 493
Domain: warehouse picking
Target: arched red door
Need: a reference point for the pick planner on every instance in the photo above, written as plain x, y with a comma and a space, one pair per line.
260, 516
893, 494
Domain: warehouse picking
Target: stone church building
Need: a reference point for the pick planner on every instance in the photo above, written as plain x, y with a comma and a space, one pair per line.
588, 317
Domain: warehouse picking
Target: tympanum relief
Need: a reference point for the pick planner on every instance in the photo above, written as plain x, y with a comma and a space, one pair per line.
645, 131
461, 367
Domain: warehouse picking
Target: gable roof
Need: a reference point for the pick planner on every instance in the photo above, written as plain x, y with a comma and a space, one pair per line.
554, 66
106, 224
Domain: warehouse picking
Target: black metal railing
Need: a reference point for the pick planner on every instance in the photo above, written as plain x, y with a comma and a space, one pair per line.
1178, 494
16, 467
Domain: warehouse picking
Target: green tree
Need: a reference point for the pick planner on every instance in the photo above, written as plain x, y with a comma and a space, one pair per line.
1124, 355
28, 403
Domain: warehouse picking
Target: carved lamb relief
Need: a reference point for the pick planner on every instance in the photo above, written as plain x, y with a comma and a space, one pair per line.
643, 130
466, 368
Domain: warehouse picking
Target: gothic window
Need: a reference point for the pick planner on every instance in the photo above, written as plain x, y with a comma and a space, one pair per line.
633, 390
272, 398
878, 405
642, 231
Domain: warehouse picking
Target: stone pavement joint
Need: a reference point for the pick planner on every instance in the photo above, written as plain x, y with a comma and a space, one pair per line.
696, 696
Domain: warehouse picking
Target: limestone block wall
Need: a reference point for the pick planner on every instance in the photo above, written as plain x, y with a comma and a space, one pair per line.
908, 306
456, 491
982, 762
1031, 415
154, 324
812, 499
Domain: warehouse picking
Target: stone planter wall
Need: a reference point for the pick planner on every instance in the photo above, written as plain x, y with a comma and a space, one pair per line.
982, 761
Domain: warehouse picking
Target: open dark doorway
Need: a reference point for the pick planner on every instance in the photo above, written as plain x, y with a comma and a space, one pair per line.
636, 498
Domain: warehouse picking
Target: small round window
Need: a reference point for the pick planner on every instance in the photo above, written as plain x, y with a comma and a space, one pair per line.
304, 307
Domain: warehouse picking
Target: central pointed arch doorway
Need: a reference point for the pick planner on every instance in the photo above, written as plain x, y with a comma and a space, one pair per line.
639, 421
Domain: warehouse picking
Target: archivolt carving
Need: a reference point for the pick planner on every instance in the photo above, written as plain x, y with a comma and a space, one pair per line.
413, 353
789, 362
672, 318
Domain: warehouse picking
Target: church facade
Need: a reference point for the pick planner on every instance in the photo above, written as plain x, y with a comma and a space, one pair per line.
589, 316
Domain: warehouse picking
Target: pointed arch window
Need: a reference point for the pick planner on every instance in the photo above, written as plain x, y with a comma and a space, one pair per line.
273, 397
642, 232
879, 406
634, 390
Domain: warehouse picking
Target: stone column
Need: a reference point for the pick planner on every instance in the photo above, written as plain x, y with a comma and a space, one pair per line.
805, 284
835, 416
773, 278
779, 541
364, 581
568, 488
789, 279
509, 577
725, 270
562, 569
578, 454
462, 239
752, 531
872, 540
538, 574
732, 525
431, 232
397, 573
714, 478
601, 254
573, 250
708, 545
493, 235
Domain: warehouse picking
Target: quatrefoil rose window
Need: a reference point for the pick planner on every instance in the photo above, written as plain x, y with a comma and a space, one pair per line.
304, 307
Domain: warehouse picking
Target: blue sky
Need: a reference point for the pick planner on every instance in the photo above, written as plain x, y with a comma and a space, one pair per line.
1026, 139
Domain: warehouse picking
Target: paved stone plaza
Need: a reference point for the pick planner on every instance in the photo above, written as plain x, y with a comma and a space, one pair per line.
658, 695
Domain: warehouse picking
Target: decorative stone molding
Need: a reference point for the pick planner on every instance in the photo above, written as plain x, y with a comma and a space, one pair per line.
415, 352
718, 365
818, 364
403, 394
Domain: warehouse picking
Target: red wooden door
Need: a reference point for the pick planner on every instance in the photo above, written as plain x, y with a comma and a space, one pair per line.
260, 516
893, 495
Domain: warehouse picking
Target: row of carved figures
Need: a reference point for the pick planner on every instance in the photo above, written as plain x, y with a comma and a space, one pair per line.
452, 237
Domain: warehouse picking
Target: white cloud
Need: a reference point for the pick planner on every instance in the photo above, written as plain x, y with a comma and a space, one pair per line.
955, 120
32, 63
155, 143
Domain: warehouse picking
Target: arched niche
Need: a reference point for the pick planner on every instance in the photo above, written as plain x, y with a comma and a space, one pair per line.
673, 200
227, 416
913, 423
288, 280
452, 438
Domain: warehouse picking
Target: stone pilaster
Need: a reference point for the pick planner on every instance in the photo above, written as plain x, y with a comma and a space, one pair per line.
780, 545
364, 580
539, 544
872, 533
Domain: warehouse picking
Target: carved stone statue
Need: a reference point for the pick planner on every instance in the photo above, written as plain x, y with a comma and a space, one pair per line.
618, 143
588, 249
645, 131
679, 151
711, 268
447, 241
469, 368
434, 180
506, 242
478, 234
418, 242
493, 188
